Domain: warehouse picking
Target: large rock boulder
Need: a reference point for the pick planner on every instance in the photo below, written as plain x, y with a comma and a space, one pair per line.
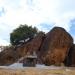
70, 59
7, 56
32, 46
55, 47
12, 54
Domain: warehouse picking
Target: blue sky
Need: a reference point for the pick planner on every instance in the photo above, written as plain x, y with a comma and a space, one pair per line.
44, 14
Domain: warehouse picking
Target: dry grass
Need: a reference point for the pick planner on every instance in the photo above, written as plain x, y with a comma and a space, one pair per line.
37, 71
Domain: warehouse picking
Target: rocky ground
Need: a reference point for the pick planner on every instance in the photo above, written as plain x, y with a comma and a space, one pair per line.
38, 71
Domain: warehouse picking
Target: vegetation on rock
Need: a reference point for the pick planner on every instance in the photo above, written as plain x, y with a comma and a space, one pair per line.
22, 34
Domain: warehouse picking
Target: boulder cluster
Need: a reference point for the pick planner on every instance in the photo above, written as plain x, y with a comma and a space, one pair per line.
54, 48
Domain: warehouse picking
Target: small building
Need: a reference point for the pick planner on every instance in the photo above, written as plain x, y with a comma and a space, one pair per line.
30, 61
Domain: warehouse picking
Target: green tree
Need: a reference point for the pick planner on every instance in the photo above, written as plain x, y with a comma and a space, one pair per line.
22, 33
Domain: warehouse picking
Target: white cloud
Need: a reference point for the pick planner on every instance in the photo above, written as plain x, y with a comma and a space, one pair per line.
38, 11
3, 42
32, 12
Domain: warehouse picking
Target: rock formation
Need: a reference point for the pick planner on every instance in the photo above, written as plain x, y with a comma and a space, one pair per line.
70, 59
7, 56
11, 55
55, 47
52, 48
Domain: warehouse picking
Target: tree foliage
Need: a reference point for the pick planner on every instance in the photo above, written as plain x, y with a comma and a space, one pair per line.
22, 33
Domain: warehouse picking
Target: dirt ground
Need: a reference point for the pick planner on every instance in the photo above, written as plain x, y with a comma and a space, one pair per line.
37, 71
